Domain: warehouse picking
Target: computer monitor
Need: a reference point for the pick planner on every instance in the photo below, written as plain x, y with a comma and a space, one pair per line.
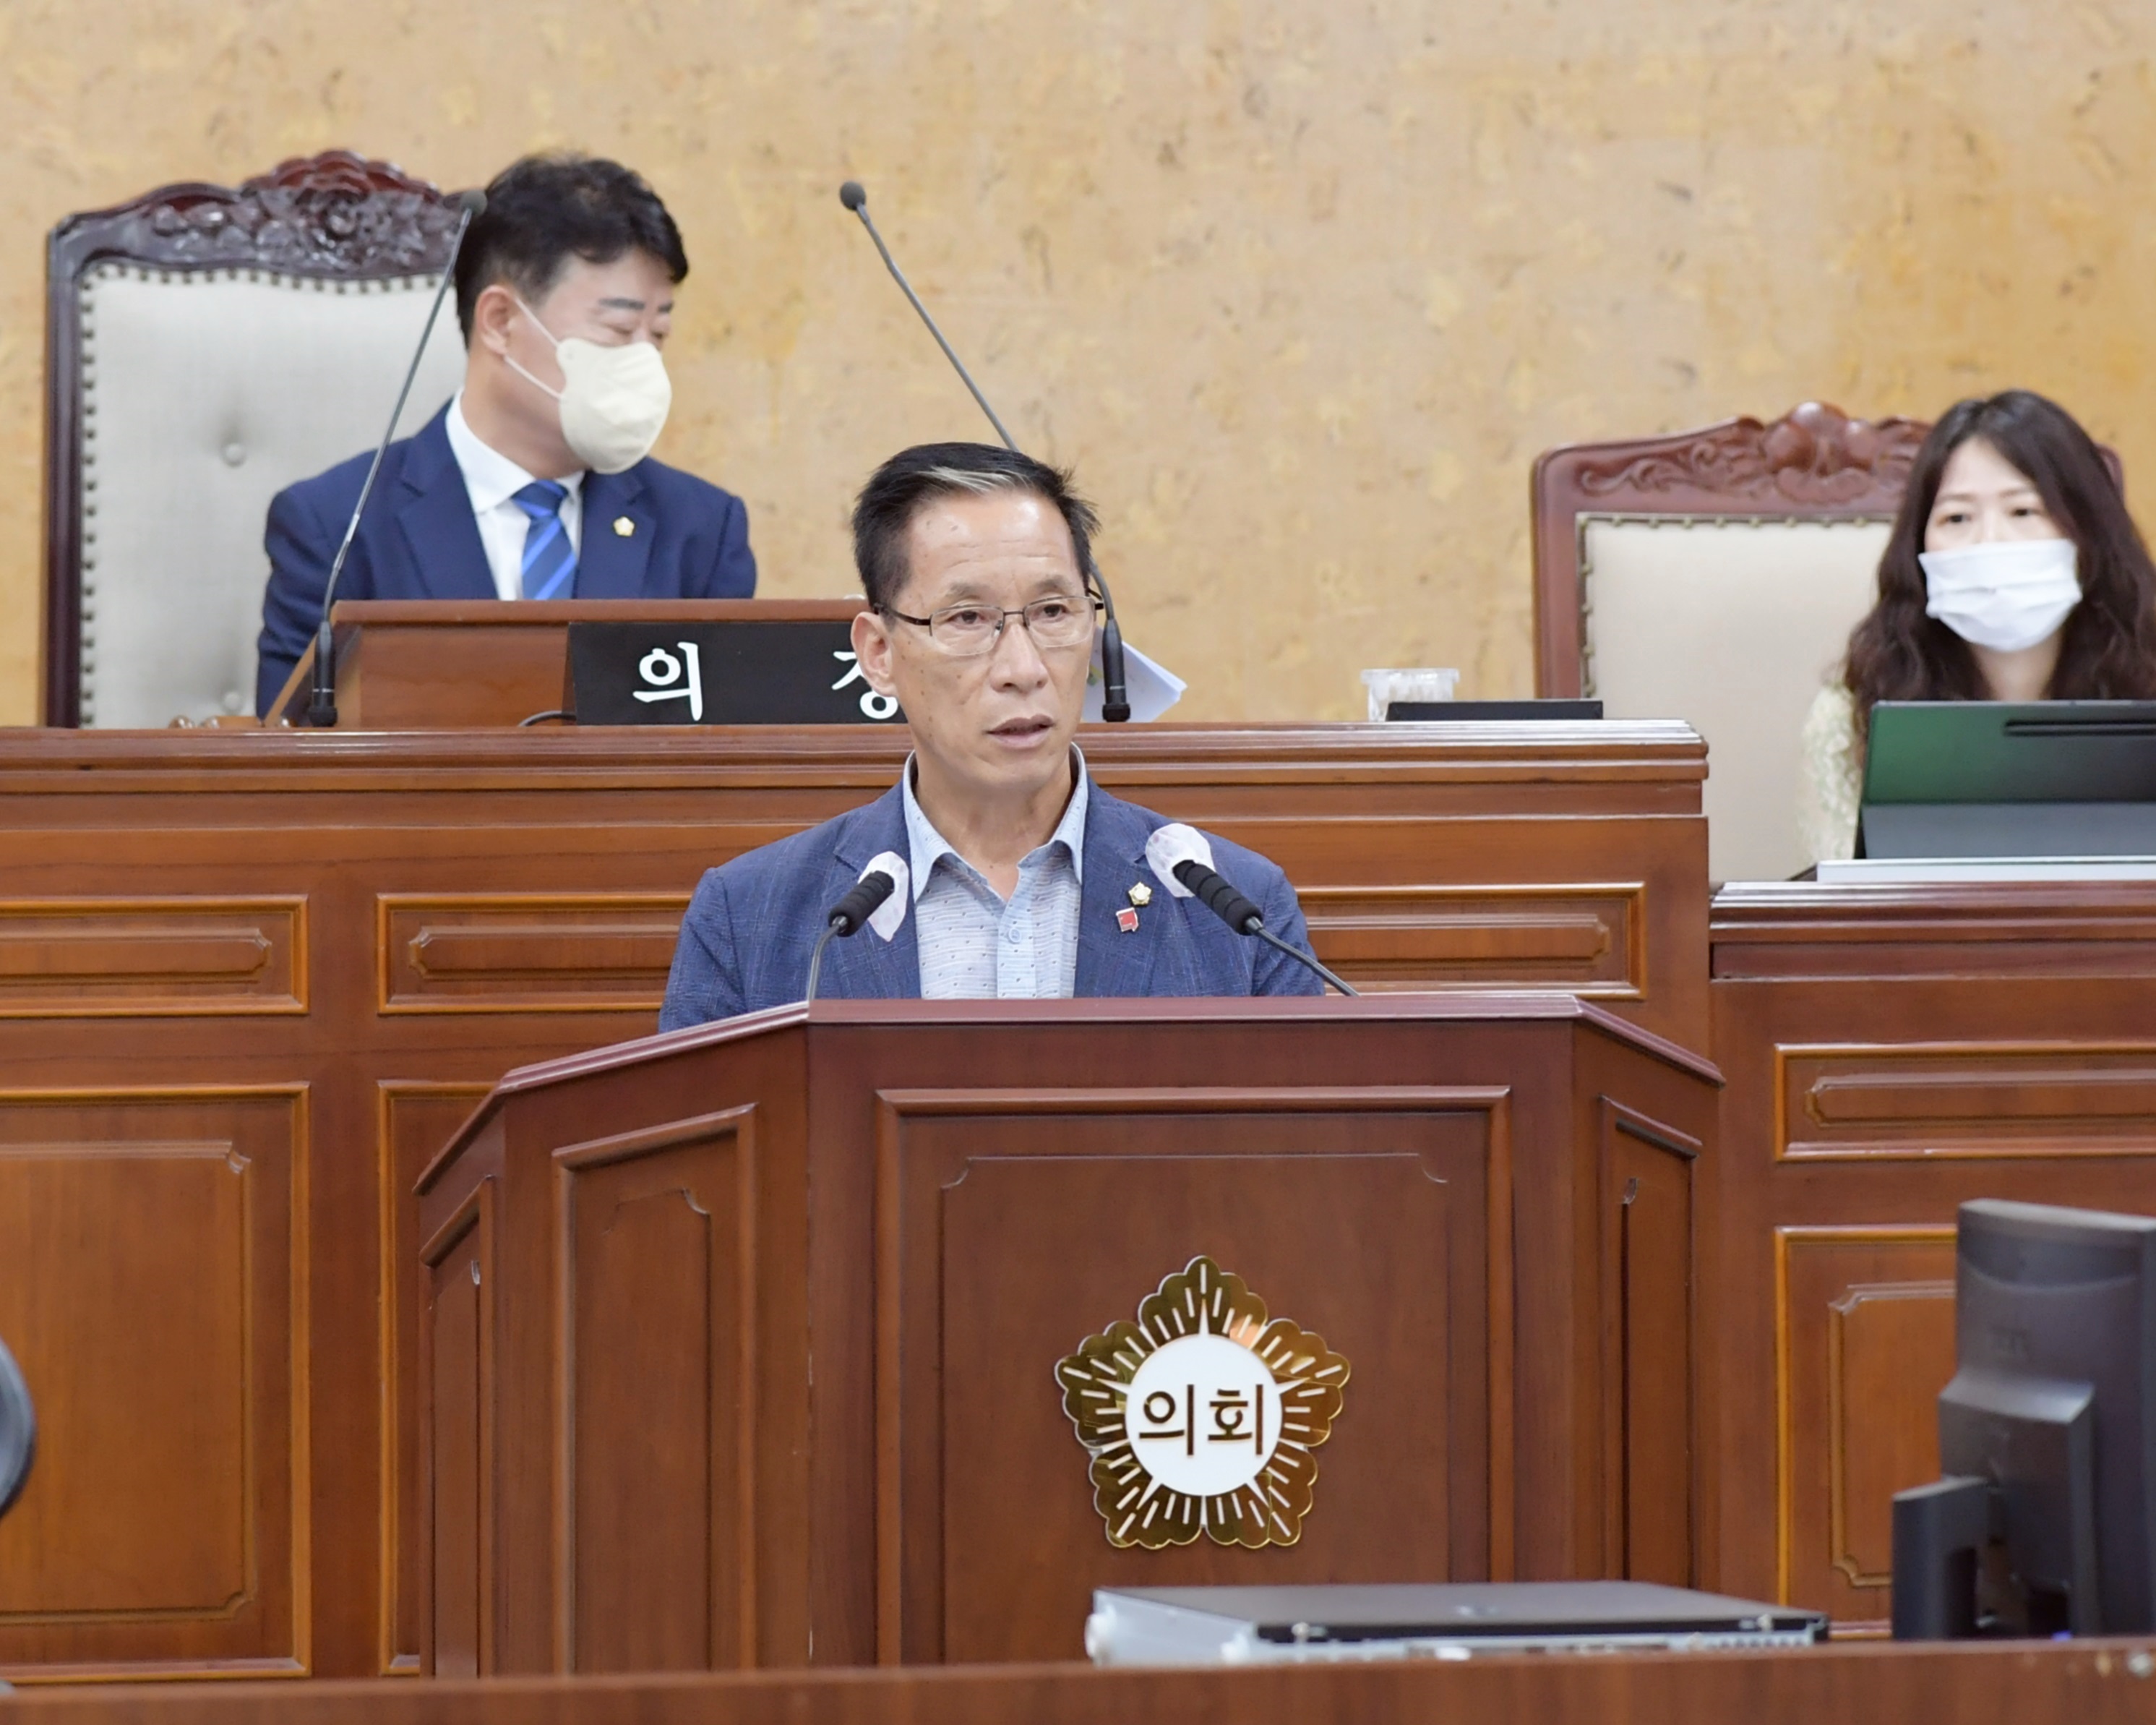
2045, 1521
2010, 779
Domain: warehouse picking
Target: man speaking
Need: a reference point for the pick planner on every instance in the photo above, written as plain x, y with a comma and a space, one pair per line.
1024, 879
535, 480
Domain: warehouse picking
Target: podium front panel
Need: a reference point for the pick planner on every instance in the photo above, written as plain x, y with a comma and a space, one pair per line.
1015, 1224
782, 1308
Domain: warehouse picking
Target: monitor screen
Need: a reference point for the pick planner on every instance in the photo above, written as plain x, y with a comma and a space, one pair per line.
2006, 751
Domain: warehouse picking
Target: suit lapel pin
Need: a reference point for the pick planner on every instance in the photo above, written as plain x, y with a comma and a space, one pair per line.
1141, 895
622, 525
1126, 919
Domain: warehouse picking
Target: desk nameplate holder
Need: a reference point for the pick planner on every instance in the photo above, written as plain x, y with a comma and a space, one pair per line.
746, 672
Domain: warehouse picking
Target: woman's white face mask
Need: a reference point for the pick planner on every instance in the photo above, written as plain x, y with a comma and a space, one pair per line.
2007, 594
613, 401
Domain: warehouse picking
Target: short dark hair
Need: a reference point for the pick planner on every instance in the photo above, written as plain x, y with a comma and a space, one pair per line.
2108, 653
543, 210
894, 492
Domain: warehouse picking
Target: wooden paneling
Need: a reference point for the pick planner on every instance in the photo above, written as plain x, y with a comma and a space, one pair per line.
1648, 1263
416, 1117
1891, 1053
91, 958
393, 921
1343, 1211
656, 1233
1590, 940
1971, 1099
457, 1367
1864, 1344
153, 1286
527, 952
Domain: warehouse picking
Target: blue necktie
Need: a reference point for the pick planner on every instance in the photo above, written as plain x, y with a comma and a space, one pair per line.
550, 560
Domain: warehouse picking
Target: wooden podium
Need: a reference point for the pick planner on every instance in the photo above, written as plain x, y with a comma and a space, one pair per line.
488, 664
738, 1345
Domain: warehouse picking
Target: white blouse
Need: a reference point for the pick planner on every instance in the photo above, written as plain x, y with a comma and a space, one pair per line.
1833, 777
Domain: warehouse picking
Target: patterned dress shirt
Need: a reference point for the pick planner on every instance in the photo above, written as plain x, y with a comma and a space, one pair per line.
973, 945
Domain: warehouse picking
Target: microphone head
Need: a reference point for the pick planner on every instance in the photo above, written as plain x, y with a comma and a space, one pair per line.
878, 897
868, 895
472, 202
852, 196
1175, 843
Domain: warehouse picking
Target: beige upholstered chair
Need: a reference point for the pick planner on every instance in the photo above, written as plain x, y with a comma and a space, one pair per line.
1714, 576
209, 346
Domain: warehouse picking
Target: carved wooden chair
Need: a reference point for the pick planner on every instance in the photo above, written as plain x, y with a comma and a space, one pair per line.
1714, 576
206, 348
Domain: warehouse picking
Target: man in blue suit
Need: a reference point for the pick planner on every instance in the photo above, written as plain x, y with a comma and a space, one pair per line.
1019, 876
535, 480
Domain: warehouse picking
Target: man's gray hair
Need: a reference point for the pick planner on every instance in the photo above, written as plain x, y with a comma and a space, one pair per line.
895, 491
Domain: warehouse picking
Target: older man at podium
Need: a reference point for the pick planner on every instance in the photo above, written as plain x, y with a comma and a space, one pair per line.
1019, 876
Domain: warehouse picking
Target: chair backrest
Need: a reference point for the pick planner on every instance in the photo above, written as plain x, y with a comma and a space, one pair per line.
1714, 576
209, 346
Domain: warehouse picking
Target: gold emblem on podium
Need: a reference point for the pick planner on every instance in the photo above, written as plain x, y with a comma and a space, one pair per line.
1201, 1417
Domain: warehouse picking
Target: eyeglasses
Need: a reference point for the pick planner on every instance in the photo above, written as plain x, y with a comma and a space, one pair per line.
1062, 620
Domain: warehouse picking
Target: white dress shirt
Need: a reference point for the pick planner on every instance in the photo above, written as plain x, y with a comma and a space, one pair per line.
973, 945
492, 481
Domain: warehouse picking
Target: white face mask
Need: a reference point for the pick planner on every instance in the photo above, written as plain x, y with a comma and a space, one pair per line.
613, 401
2005, 594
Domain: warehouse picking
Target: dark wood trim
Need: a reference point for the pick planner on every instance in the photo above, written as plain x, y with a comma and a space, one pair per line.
1814, 463
334, 216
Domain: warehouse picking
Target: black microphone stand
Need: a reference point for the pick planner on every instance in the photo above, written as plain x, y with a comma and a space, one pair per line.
321, 697
1115, 685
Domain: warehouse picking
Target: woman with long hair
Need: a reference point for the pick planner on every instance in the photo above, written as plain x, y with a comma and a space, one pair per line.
2013, 574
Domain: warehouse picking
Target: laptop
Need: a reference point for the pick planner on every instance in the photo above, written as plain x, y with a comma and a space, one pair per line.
1260, 1625
2002, 778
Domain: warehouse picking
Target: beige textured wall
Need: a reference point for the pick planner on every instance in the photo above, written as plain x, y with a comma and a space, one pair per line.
1300, 286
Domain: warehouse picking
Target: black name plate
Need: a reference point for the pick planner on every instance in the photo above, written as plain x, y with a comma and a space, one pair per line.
720, 673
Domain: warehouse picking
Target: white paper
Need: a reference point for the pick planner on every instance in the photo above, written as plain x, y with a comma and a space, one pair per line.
1174, 843
887, 917
1152, 688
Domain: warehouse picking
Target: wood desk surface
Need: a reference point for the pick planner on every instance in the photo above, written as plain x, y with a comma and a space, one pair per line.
254, 980
2090, 1683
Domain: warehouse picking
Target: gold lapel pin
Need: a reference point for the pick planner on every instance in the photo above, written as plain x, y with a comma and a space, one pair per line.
1141, 895
623, 525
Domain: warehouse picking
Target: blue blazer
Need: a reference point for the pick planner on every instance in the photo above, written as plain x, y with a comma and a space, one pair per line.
418, 539
745, 941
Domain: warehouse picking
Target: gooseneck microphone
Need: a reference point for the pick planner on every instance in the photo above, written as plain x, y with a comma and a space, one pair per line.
1182, 856
847, 915
1115, 688
321, 700
1226, 901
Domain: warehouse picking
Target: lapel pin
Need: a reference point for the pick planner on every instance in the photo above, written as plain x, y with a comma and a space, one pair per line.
622, 525
1141, 895
1126, 919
